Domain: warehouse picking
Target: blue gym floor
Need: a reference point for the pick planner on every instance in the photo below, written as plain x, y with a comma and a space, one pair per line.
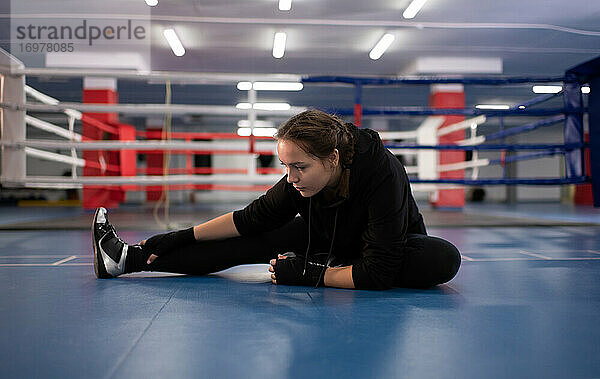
525, 303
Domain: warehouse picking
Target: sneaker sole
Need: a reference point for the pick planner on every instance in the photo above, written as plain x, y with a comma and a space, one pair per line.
99, 268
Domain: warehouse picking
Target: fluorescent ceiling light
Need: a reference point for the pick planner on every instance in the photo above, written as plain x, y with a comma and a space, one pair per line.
264, 106
244, 132
546, 89
152, 3
414, 8
258, 132
244, 86
381, 46
555, 89
492, 106
271, 106
243, 106
174, 42
264, 132
270, 86
285, 5
277, 86
279, 44
257, 124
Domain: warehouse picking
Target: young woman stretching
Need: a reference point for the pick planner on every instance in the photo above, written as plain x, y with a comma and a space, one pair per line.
343, 216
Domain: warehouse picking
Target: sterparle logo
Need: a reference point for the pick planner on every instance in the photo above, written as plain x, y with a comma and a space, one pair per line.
83, 32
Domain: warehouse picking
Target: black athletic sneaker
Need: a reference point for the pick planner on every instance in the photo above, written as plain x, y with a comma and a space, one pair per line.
110, 252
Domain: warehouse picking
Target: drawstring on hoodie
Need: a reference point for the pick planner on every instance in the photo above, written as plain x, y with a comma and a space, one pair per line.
308, 246
330, 247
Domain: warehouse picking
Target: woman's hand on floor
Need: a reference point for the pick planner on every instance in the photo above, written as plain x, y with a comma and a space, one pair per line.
272, 268
152, 257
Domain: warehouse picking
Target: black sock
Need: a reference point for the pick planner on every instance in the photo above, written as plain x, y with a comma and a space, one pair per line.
136, 259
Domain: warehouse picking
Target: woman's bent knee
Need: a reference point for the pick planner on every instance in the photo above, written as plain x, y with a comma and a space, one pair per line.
452, 259
428, 261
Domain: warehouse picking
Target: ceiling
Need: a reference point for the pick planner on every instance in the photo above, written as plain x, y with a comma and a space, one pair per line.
536, 37
327, 37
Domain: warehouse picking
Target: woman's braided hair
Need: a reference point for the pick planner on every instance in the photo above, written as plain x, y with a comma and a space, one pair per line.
318, 134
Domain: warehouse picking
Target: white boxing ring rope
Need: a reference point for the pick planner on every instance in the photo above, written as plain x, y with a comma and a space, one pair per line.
427, 134
32, 147
150, 109
72, 115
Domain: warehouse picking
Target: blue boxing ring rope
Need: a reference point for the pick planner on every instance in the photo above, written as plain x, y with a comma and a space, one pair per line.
571, 114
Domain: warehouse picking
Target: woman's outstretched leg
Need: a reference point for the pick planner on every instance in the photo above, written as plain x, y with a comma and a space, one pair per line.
203, 257
113, 257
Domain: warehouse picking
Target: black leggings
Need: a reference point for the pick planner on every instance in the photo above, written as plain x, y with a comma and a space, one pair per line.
428, 261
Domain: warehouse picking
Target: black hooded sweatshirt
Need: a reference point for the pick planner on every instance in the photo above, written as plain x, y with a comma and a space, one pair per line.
370, 223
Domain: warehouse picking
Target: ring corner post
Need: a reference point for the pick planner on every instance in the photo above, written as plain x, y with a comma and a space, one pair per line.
12, 121
449, 96
99, 91
589, 72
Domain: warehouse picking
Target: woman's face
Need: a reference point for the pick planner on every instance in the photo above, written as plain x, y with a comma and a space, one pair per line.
308, 174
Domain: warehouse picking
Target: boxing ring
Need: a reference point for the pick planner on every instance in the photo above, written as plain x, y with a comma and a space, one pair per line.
105, 159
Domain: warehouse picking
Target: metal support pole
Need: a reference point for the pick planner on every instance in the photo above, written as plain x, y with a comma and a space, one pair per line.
252, 99
510, 171
12, 122
573, 100
357, 104
594, 123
